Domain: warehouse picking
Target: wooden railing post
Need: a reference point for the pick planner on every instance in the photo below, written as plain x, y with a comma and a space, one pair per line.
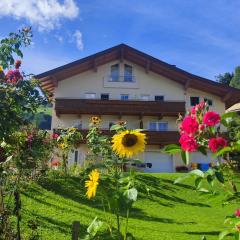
75, 230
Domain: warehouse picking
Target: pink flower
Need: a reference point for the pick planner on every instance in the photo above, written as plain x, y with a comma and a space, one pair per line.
215, 143
30, 138
201, 127
211, 118
55, 135
201, 105
237, 213
188, 143
189, 125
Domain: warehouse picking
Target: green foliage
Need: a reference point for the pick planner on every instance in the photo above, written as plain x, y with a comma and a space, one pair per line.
235, 82
12, 45
117, 189
225, 78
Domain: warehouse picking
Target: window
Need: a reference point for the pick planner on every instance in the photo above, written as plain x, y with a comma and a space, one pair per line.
194, 101
124, 97
76, 157
158, 126
78, 124
208, 101
159, 98
153, 126
128, 76
90, 95
145, 97
162, 126
115, 73
104, 96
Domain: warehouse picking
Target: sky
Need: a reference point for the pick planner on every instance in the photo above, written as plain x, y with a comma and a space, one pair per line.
199, 36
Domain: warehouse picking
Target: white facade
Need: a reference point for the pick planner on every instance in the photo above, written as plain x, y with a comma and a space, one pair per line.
145, 86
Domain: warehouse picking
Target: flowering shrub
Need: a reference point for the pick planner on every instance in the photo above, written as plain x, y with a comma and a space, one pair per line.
23, 151
66, 140
203, 130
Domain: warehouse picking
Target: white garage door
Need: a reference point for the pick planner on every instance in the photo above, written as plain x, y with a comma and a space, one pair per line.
160, 162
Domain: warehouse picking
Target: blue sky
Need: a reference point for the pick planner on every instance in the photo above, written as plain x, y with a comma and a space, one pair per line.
199, 36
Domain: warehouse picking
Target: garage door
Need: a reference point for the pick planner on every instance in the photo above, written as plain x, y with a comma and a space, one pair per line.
160, 162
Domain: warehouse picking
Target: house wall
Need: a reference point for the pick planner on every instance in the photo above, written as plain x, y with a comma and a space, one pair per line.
146, 83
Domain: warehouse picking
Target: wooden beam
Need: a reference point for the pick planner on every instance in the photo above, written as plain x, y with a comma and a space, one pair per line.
227, 96
187, 84
120, 116
121, 57
54, 81
94, 65
160, 117
148, 64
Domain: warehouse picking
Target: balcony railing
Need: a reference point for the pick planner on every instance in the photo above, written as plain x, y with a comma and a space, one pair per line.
118, 107
160, 138
118, 78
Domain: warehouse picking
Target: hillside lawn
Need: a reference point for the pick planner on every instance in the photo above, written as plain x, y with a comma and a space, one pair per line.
171, 212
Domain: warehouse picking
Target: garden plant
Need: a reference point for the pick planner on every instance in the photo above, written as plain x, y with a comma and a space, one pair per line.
209, 133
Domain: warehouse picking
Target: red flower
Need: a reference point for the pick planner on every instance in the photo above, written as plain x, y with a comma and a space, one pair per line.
18, 64
55, 163
55, 135
201, 127
13, 76
211, 118
188, 143
237, 213
189, 125
216, 143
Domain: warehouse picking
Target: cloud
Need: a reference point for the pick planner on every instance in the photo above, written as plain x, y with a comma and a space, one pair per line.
45, 14
78, 38
59, 38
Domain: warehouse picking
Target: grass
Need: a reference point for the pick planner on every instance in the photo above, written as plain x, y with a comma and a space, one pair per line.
171, 212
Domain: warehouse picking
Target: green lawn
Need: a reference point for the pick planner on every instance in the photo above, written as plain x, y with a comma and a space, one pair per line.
172, 212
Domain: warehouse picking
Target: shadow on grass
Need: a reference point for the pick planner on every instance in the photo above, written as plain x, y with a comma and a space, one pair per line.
138, 214
212, 233
52, 224
157, 185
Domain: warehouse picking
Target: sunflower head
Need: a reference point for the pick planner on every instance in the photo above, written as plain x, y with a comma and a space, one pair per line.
92, 183
1, 68
128, 143
95, 120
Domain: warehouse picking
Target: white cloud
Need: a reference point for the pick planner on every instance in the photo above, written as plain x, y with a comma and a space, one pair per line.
59, 38
45, 14
78, 38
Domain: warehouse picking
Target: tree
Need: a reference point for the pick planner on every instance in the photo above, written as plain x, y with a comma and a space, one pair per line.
235, 82
224, 78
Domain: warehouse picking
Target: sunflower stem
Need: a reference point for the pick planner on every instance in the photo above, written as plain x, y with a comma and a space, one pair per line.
126, 226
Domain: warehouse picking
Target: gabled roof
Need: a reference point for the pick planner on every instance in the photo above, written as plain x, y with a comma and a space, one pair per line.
120, 52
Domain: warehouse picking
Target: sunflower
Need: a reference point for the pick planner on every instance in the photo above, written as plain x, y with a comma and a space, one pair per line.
128, 143
95, 120
1, 68
92, 183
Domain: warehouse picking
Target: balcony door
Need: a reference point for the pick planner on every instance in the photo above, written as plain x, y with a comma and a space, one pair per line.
115, 73
128, 73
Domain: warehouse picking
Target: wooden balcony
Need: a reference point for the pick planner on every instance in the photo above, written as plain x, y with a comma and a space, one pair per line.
160, 138
118, 107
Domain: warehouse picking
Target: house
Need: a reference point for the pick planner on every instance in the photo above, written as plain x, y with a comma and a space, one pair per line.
234, 108
122, 83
